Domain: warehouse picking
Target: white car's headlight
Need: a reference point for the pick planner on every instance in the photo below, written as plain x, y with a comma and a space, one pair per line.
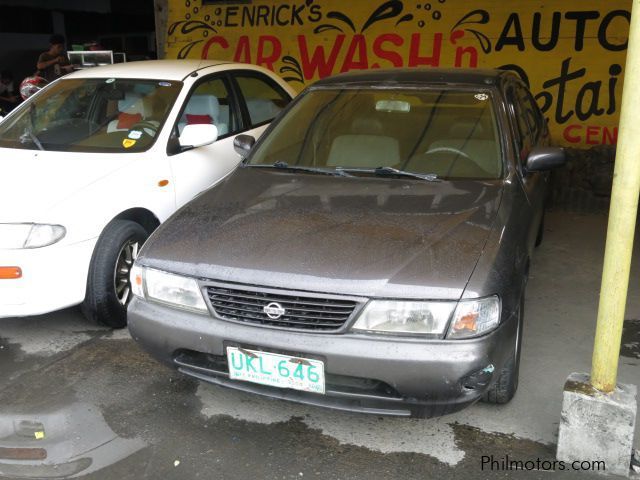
29, 235
475, 317
405, 317
168, 288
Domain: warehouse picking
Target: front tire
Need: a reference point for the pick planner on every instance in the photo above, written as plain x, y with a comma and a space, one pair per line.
108, 284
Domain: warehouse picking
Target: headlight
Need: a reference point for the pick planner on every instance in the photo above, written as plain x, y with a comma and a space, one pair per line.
475, 317
469, 318
29, 235
405, 317
168, 288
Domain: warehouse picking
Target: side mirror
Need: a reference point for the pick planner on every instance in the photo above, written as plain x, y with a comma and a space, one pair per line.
198, 135
243, 144
1, 117
545, 158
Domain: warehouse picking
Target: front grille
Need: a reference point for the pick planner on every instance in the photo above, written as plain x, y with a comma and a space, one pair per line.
306, 313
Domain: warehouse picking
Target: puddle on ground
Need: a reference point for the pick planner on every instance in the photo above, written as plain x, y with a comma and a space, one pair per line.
630, 339
67, 442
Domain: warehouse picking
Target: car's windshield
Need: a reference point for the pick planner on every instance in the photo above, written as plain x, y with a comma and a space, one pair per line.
92, 115
448, 132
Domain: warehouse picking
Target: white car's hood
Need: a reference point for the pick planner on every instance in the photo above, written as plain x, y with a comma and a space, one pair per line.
32, 183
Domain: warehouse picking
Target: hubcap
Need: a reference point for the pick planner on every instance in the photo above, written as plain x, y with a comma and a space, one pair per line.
121, 280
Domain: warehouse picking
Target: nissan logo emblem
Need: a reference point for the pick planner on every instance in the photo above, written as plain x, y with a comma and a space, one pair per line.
274, 310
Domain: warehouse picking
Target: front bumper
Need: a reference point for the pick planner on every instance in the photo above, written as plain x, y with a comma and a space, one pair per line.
53, 277
364, 373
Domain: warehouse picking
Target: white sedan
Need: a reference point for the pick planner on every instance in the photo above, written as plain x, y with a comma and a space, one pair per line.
94, 162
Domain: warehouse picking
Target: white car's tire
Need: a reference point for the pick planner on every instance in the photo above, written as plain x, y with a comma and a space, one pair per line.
108, 284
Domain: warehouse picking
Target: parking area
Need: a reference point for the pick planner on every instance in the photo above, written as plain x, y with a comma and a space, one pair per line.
103, 407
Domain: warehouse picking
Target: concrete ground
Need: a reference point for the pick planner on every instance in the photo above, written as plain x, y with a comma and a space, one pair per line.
105, 409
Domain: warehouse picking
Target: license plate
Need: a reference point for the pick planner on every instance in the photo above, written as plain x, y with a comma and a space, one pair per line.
276, 370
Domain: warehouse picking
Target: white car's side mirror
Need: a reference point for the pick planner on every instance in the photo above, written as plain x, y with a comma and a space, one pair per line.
1, 117
198, 135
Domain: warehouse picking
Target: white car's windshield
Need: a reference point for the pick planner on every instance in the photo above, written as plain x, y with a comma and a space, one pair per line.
92, 115
446, 133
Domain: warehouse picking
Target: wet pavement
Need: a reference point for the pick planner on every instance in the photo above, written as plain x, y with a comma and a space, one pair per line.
80, 400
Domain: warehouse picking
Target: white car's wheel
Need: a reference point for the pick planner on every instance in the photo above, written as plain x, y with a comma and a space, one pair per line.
108, 283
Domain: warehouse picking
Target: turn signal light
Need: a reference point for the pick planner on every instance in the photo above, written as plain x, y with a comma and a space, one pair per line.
467, 322
10, 273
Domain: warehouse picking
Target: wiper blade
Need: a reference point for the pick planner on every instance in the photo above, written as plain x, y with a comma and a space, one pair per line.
295, 168
432, 177
389, 171
322, 171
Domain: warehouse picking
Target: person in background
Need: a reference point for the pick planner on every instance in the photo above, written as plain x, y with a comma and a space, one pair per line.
53, 64
8, 98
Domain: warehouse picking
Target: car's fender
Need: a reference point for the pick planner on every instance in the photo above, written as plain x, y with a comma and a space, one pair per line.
145, 183
503, 264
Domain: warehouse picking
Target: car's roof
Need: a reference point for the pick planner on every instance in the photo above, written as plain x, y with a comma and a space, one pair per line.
413, 76
150, 69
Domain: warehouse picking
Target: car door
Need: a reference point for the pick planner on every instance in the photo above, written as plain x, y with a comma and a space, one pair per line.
210, 100
218, 99
530, 133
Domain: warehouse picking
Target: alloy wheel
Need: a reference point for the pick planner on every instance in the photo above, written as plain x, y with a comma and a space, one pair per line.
121, 275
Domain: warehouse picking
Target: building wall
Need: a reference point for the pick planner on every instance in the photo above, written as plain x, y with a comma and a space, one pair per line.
26, 25
570, 52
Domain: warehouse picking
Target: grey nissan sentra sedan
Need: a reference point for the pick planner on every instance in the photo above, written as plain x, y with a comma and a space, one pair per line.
371, 252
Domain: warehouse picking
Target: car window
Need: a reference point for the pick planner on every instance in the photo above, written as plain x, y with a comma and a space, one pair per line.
210, 102
263, 97
523, 132
451, 133
92, 115
531, 112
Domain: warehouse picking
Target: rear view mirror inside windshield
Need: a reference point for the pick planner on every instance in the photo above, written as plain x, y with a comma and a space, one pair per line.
114, 94
393, 106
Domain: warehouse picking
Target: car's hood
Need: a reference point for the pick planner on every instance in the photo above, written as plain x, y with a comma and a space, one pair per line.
384, 237
34, 182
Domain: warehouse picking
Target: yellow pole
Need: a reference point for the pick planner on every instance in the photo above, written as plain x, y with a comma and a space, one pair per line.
622, 222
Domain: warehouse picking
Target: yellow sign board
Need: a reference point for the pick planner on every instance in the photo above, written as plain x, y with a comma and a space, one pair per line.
571, 53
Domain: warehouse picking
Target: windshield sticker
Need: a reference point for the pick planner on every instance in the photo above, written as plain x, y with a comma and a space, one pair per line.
128, 142
164, 84
135, 134
110, 80
481, 96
